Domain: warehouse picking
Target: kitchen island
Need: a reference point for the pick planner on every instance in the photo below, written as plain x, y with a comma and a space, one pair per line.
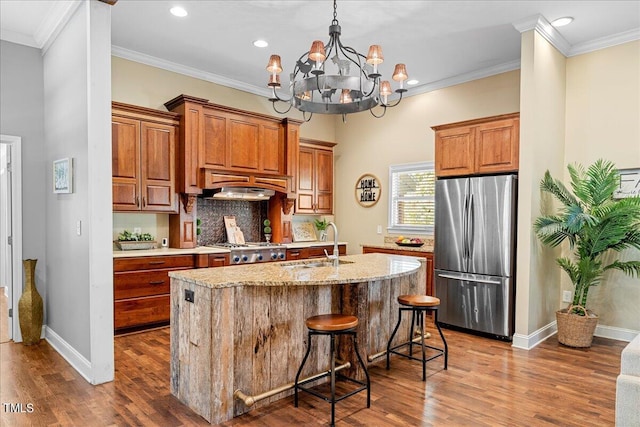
241, 330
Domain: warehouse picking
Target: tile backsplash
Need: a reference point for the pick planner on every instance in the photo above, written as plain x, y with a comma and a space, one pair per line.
249, 217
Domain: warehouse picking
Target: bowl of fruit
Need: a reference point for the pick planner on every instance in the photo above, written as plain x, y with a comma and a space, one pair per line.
409, 241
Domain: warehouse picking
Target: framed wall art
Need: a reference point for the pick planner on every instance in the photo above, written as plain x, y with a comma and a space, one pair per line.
368, 190
629, 184
63, 175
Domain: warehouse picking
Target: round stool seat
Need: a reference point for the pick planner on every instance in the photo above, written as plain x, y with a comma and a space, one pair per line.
332, 322
419, 300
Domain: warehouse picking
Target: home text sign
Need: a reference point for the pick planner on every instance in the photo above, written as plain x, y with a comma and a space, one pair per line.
368, 190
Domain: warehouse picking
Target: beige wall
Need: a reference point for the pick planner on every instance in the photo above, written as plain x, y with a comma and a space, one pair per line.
404, 135
603, 121
542, 117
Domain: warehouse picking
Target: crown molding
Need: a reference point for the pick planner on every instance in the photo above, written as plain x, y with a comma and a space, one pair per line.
605, 42
464, 78
57, 18
153, 61
18, 38
546, 30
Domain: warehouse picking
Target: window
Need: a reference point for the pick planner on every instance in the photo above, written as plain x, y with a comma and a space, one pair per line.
412, 198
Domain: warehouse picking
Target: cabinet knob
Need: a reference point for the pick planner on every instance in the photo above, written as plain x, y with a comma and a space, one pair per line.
137, 201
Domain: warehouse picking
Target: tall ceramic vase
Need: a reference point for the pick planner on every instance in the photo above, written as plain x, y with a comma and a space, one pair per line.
30, 306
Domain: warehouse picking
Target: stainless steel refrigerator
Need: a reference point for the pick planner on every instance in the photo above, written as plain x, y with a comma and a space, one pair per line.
474, 253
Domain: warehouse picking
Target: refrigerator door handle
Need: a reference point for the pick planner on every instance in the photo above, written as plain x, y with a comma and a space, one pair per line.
468, 279
464, 229
470, 229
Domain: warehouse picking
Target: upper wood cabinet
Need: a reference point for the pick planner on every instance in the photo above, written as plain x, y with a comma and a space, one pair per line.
315, 178
143, 159
228, 140
481, 146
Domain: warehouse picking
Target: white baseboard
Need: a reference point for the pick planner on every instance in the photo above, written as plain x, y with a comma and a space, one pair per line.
70, 354
527, 342
614, 333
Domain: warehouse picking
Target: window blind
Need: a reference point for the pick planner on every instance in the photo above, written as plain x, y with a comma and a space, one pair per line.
412, 197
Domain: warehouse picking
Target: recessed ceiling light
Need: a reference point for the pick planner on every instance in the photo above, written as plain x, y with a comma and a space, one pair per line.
412, 82
561, 22
260, 43
178, 11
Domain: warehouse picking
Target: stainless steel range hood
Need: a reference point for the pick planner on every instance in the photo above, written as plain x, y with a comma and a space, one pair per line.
239, 193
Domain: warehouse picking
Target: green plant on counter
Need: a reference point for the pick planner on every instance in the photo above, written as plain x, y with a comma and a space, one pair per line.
267, 226
127, 236
321, 225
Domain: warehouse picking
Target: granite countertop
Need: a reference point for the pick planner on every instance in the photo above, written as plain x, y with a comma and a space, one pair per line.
168, 251
353, 269
117, 253
427, 247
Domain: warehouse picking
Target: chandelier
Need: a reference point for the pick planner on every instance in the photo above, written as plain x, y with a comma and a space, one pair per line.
353, 84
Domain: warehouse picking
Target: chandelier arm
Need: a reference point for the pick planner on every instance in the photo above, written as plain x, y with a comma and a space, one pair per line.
396, 103
276, 97
304, 116
384, 111
273, 104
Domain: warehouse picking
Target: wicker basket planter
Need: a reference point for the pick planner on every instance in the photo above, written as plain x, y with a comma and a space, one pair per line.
136, 244
575, 330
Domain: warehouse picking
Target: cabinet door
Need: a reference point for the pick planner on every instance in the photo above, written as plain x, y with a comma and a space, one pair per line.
243, 145
497, 146
272, 150
214, 153
158, 166
324, 182
125, 164
454, 149
306, 181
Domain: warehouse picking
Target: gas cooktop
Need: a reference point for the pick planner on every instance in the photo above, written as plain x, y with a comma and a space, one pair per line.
252, 252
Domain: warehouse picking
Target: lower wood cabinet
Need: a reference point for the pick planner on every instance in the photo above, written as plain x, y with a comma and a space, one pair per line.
142, 289
427, 255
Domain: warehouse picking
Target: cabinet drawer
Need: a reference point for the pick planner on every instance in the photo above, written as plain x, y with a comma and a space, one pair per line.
135, 284
153, 262
294, 254
141, 311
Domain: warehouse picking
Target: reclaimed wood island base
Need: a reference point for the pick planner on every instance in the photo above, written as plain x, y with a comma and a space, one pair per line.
243, 327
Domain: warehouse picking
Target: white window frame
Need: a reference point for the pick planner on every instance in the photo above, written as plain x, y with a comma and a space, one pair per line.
407, 167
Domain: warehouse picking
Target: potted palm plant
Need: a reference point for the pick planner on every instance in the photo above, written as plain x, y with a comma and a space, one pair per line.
593, 223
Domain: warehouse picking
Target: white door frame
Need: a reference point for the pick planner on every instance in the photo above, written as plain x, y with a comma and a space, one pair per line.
16, 229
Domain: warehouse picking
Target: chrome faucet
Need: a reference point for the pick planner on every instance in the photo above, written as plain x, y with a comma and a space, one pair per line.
336, 252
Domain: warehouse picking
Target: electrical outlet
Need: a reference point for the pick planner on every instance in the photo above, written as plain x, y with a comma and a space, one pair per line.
137, 230
189, 295
567, 296
79, 228
379, 229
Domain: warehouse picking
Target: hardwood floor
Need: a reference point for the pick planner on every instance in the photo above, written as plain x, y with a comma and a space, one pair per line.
488, 383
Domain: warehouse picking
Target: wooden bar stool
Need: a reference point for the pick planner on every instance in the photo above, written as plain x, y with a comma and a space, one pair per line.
333, 325
418, 305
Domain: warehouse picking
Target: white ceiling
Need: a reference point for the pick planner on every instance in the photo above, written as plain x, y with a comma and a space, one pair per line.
441, 42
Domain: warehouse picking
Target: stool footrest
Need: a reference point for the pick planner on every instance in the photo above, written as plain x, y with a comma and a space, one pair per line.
419, 359
363, 386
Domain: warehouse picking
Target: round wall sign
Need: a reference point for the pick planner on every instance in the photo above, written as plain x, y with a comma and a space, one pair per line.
368, 190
